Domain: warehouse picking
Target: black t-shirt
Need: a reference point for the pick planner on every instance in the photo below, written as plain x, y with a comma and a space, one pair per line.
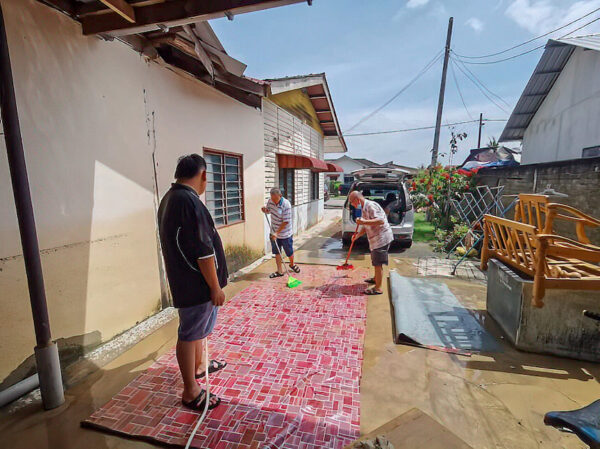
187, 233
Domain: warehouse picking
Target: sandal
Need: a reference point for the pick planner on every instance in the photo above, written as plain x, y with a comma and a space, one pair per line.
295, 268
370, 281
371, 291
199, 403
277, 274
213, 367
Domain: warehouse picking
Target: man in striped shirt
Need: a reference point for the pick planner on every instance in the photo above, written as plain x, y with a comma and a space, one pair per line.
281, 231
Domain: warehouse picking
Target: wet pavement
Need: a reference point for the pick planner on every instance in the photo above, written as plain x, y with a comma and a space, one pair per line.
489, 400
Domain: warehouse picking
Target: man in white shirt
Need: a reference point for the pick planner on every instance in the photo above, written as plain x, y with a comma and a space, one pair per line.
281, 230
373, 222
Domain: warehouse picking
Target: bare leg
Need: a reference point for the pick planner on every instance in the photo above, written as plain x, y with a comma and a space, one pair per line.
378, 277
186, 358
200, 368
291, 260
279, 263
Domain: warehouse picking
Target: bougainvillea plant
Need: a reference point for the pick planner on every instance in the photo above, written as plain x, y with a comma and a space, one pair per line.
435, 187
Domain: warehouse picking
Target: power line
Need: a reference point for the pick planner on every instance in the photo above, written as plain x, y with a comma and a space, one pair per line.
481, 89
421, 128
397, 94
528, 51
482, 84
533, 39
458, 89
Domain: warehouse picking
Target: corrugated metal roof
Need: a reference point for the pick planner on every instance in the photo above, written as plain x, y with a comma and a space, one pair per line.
551, 64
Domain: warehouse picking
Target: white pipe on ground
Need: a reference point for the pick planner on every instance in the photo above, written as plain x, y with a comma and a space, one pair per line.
19, 389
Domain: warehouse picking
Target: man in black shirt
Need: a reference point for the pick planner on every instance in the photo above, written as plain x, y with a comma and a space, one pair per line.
197, 272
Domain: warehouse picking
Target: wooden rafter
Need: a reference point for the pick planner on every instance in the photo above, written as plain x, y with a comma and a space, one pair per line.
122, 8
173, 13
222, 82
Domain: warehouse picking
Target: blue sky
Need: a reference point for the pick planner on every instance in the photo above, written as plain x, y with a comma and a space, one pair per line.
371, 49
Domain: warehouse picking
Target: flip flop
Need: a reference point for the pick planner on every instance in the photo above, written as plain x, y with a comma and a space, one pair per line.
295, 268
213, 367
372, 291
370, 281
275, 275
199, 403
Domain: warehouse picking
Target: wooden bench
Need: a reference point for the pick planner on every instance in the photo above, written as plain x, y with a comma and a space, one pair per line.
551, 260
538, 211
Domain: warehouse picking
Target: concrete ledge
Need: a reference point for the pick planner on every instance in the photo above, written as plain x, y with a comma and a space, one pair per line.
558, 328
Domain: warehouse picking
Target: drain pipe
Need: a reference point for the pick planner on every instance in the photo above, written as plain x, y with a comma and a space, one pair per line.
19, 389
46, 351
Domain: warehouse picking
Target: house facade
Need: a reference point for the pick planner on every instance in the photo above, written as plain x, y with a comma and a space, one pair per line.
349, 164
300, 127
556, 117
103, 122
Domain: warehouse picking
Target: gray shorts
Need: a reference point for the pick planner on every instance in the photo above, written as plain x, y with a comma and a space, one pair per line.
196, 322
379, 256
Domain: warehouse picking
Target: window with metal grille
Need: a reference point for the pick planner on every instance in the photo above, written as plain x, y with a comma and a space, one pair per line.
314, 186
225, 187
286, 184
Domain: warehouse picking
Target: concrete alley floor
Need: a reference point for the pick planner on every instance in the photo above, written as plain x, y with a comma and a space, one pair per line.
490, 401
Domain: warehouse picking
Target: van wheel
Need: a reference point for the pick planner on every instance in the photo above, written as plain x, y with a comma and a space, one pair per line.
346, 239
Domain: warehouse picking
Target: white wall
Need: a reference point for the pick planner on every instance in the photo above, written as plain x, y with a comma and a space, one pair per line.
348, 165
568, 119
94, 116
286, 133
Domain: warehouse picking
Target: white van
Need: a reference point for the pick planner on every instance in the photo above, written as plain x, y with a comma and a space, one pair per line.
385, 186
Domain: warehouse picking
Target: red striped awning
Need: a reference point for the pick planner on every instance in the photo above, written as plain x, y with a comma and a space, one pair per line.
298, 161
334, 168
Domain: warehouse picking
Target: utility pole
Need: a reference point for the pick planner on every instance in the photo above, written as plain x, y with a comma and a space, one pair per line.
438, 122
46, 351
480, 126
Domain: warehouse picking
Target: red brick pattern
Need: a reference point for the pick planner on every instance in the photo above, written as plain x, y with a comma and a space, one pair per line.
292, 381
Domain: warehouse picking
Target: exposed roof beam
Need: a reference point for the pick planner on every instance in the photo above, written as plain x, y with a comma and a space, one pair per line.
122, 8
192, 66
173, 13
317, 97
326, 122
323, 111
82, 9
222, 75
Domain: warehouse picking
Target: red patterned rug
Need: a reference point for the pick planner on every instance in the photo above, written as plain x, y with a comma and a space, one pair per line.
292, 381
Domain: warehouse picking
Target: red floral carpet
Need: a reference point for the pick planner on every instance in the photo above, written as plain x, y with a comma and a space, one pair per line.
292, 381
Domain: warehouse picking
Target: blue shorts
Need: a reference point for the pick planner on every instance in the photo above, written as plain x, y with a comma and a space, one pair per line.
196, 322
286, 245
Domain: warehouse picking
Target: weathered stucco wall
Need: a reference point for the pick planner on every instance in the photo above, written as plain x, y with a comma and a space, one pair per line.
102, 129
567, 121
579, 179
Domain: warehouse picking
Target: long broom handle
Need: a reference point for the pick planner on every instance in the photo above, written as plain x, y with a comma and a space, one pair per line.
351, 245
276, 245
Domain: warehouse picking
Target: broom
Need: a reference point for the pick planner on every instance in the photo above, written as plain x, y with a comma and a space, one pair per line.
346, 265
292, 281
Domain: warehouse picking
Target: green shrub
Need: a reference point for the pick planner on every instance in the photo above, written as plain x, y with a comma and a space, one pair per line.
446, 239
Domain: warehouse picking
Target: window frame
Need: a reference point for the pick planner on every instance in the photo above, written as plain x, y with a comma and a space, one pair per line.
285, 191
240, 157
315, 182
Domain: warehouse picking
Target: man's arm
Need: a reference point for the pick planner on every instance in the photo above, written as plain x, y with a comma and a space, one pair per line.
372, 222
209, 272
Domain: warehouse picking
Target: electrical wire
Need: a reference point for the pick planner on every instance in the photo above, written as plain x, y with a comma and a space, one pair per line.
532, 39
458, 89
528, 51
421, 128
481, 83
482, 89
400, 92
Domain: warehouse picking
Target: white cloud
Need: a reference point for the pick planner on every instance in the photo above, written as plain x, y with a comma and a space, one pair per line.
476, 24
541, 16
416, 3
